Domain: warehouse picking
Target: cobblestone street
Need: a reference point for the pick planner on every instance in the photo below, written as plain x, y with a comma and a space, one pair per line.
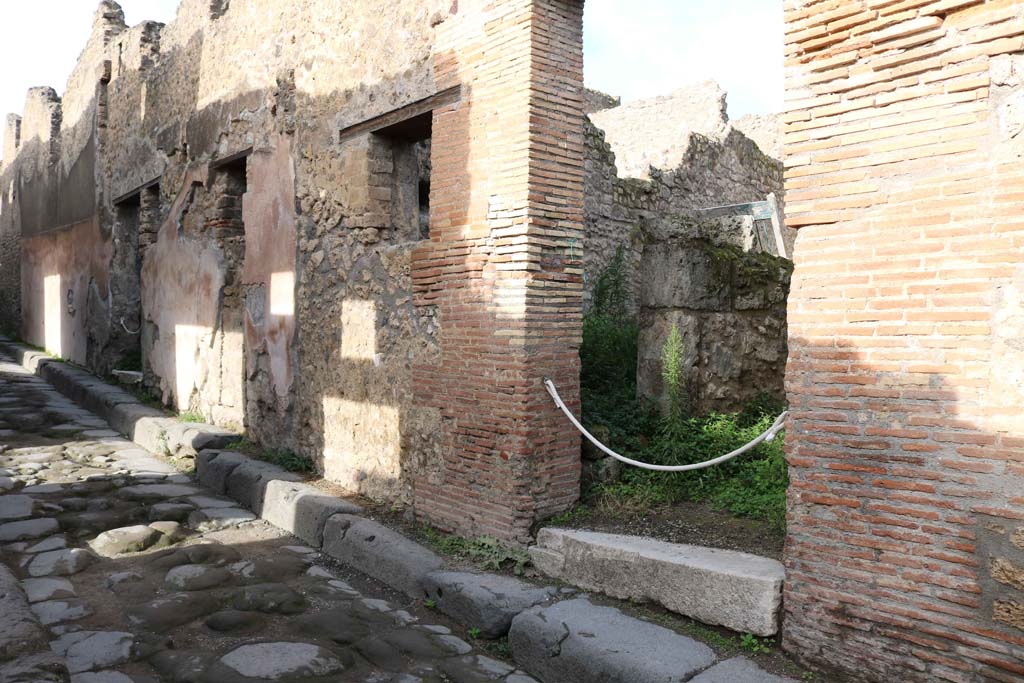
137, 574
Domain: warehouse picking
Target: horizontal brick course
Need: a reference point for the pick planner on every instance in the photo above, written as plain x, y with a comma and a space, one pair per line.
906, 430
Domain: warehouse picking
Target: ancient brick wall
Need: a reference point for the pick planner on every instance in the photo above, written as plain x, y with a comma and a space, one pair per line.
506, 203
906, 442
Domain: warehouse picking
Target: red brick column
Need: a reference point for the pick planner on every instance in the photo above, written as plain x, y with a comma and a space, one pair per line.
905, 554
506, 202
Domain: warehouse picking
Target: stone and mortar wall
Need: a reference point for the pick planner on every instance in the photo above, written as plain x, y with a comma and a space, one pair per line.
730, 308
906, 442
284, 288
651, 164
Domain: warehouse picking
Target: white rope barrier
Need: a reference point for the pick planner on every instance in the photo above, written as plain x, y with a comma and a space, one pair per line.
768, 435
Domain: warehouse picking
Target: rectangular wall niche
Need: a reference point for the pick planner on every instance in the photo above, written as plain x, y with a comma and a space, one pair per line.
409, 143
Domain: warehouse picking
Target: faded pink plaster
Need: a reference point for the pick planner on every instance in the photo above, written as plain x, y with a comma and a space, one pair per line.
268, 211
76, 254
182, 276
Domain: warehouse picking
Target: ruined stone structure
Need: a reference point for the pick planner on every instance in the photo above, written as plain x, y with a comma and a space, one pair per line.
906, 374
729, 305
239, 197
652, 166
244, 198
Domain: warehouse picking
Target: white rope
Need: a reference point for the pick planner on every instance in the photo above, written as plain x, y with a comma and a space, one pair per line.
767, 436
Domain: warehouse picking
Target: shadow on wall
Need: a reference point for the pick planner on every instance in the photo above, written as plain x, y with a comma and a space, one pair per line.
297, 310
906, 519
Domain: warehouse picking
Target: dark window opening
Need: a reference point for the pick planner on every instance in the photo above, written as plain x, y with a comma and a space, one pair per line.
228, 186
409, 142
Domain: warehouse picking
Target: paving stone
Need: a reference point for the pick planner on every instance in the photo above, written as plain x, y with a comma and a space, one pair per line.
576, 641
181, 666
15, 507
488, 602
235, 621
275, 661
119, 578
152, 493
131, 539
28, 529
52, 543
269, 598
476, 669
380, 552
168, 612
102, 677
55, 611
212, 519
738, 590
91, 650
196, 577
738, 670
38, 590
170, 512
60, 562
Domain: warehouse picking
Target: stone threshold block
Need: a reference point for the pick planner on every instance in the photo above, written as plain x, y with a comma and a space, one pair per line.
576, 641
737, 590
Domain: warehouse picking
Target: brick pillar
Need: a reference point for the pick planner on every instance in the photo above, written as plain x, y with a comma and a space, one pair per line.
506, 202
905, 556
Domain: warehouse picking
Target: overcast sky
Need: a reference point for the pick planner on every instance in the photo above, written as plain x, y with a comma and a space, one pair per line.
634, 48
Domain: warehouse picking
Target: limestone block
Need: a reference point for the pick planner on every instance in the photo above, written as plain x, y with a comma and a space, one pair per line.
124, 417
576, 641
488, 602
738, 670
732, 589
380, 552
302, 509
247, 481
214, 467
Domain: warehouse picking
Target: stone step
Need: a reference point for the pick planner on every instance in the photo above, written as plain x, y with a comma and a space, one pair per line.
737, 590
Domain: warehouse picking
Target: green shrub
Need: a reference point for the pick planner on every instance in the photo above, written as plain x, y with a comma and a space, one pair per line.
751, 485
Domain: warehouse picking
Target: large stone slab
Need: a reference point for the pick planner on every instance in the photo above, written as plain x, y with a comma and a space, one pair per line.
380, 552
576, 641
28, 529
214, 467
302, 509
488, 602
736, 590
739, 670
247, 482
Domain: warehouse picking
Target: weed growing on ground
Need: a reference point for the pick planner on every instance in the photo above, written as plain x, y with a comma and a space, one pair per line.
191, 416
282, 457
752, 485
485, 551
473, 633
430, 603
755, 645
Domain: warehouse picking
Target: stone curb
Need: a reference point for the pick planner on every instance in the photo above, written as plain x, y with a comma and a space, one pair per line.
152, 429
493, 603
